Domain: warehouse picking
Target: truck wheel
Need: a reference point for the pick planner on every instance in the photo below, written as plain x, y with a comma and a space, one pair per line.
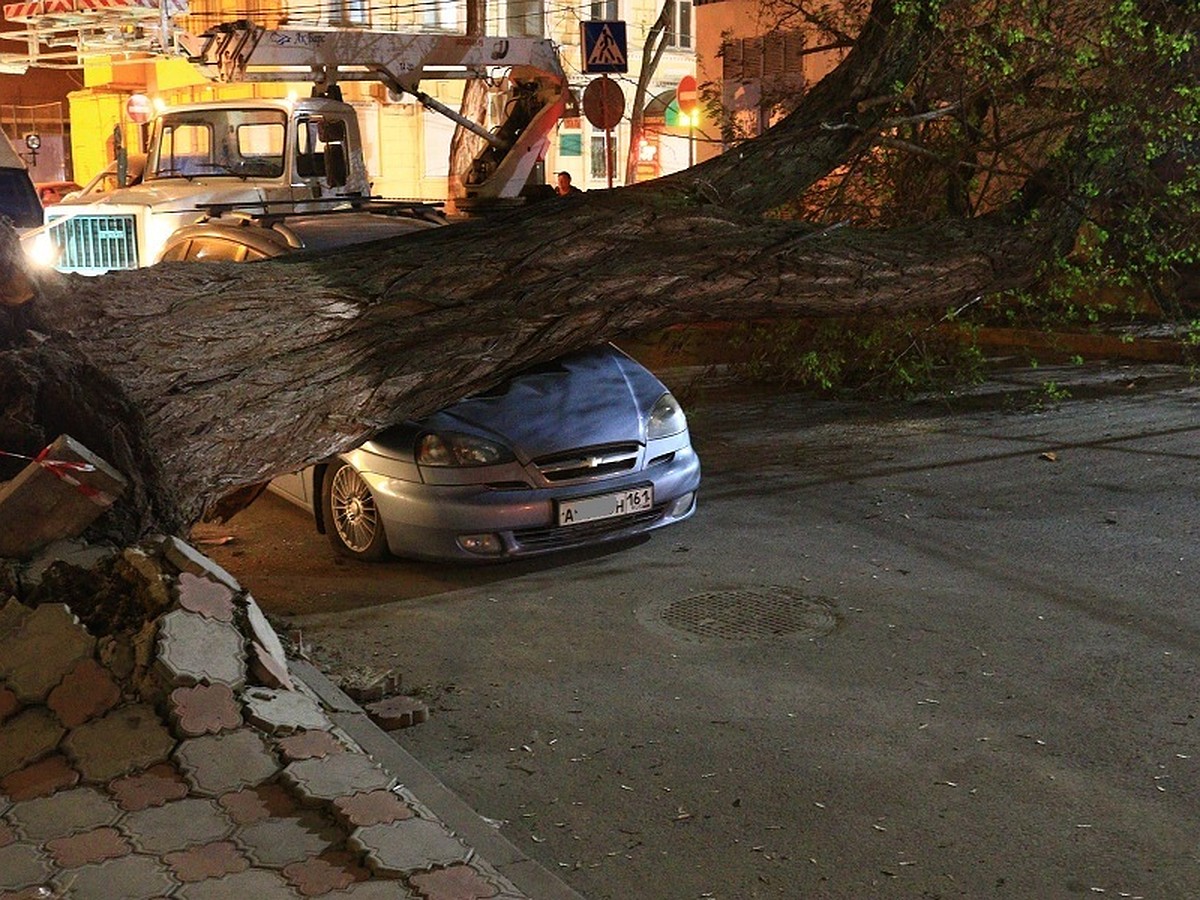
352, 520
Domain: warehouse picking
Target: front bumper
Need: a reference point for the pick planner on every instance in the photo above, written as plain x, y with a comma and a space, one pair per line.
424, 521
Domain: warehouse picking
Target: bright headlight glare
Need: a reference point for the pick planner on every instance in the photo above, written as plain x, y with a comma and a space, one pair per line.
451, 449
42, 252
666, 418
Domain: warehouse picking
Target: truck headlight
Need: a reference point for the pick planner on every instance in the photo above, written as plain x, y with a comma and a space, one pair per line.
41, 251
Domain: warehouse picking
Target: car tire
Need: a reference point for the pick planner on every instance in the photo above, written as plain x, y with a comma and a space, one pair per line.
352, 521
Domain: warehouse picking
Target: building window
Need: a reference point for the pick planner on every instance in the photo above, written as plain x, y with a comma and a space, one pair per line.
598, 170
679, 24
441, 15
524, 18
777, 59
349, 12
605, 11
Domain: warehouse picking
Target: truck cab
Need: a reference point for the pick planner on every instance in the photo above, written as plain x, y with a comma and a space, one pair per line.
265, 156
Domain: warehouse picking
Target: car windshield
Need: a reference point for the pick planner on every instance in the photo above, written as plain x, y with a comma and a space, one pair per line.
18, 200
234, 143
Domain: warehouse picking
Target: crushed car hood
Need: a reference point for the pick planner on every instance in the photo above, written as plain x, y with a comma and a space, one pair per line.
586, 399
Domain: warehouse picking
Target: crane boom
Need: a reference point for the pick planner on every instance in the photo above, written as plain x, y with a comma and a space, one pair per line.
242, 51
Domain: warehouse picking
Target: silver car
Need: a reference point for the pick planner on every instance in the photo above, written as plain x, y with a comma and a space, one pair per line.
588, 448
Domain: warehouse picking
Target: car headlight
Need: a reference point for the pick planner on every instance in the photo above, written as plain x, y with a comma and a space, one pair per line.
666, 418
449, 448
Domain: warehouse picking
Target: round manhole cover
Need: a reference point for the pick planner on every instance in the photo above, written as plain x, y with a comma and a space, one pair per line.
751, 614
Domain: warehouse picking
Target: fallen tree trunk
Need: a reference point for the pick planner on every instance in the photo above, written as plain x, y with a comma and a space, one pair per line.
217, 375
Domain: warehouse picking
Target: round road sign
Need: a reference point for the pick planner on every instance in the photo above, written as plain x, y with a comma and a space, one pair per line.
603, 103
139, 108
687, 96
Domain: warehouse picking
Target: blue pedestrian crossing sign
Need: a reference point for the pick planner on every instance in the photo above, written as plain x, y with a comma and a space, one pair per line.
604, 47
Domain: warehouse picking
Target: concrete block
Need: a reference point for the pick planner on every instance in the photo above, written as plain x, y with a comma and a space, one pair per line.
205, 596
283, 712
87, 847
13, 614
397, 712
193, 649
128, 738
155, 786
278, 842
258, 883
64, 813
129, 876
187, 558
87, 691
267, 670
460, 883
376, 807
377, 889
264, 633
412, 845
218, 763
22, 865
41, 779
338, 775
58, 496
37, 656
28, 737
332, 871
204, 709
173, 826
214, 860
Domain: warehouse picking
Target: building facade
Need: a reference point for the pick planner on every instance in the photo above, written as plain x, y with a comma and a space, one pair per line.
406, 145
750, 69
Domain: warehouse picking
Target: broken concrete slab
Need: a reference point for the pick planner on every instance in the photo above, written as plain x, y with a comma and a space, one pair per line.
397, 712
72, 551
59, 494
38, 655
187, 558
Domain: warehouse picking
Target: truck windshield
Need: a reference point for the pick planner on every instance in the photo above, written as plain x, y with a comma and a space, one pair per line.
234, 143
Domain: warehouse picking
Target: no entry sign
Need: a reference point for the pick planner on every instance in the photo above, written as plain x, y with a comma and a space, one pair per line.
687, 95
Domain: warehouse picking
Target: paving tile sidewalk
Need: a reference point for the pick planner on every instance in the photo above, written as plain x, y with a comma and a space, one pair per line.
193, 760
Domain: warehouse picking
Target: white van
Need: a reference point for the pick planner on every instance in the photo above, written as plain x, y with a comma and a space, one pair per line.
18, 199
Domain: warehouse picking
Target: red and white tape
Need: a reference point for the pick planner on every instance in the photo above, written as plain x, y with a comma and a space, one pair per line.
62, 469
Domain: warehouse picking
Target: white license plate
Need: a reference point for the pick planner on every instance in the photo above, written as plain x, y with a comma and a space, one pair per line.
605, 506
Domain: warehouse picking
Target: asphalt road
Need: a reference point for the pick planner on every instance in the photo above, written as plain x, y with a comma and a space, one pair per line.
928, 650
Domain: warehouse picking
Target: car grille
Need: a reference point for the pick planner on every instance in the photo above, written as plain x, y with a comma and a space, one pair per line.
91, 242
571, 535
590, 463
